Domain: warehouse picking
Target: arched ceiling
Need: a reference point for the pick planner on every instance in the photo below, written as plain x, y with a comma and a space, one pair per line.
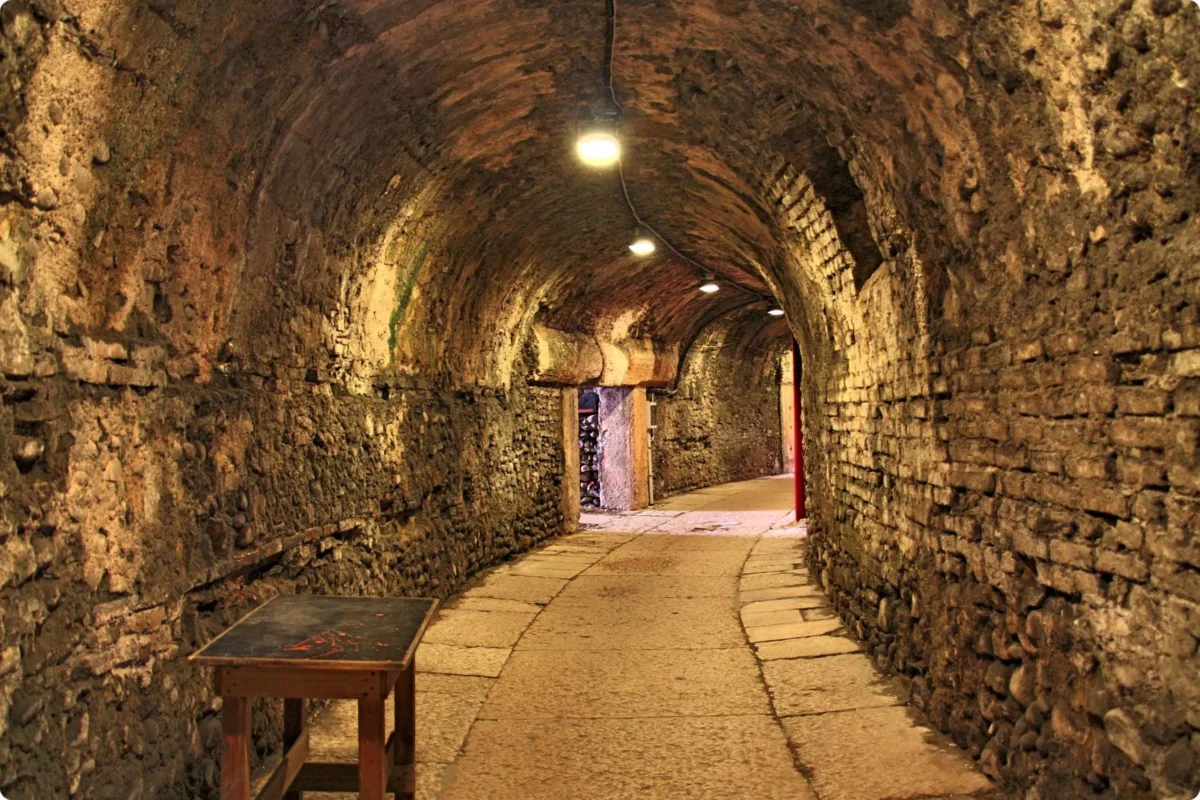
387, 187
517, 224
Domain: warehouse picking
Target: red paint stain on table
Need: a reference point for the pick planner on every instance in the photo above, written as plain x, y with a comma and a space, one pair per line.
325, 644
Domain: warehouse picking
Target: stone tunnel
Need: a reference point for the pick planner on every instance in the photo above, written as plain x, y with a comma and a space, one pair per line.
298, 296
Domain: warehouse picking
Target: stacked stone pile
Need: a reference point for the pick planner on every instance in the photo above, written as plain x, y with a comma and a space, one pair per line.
589, 461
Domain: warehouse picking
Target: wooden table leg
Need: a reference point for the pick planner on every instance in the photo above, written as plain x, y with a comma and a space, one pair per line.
372, 769
406, 721
293, 728
235, 748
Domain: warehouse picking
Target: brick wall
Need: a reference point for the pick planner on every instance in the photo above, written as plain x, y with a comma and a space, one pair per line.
140, 522
1004, 502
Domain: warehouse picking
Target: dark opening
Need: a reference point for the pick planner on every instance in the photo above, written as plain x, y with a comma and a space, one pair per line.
589, 448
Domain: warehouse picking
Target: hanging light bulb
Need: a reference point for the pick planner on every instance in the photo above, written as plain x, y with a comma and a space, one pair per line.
596, 141
641, 245
776, 312
708, 284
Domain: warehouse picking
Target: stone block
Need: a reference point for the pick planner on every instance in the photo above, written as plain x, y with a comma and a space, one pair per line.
972, 478
1076, 555
1187, 401
1027, 430
1126, 535
1046, 461
1186, 363
79, 366
1143, 401
1142, 433
1172, 544
113, 351
1091, 370
1180, 581
1140, 472
1031, 544
1127, 565
1087, 466
1184, 478
1099, 496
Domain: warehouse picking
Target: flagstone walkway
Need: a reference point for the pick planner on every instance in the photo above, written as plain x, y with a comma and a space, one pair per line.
680, 652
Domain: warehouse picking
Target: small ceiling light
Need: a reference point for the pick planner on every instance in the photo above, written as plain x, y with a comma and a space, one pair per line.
596, 138
776, 312
641, 245
709, 284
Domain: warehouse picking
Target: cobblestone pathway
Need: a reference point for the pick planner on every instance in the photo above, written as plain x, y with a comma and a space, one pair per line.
681, 652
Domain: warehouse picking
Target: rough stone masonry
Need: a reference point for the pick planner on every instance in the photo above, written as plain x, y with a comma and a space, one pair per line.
271, 273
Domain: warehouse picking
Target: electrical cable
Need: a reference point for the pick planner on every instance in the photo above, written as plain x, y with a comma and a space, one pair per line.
610, 7
610, 46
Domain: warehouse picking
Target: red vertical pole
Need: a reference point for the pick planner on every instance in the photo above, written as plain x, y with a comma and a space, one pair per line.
798, 430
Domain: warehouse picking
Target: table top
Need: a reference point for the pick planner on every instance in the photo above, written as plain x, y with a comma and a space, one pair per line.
321, 633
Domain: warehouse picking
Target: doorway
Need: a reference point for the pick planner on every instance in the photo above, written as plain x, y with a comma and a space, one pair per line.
589, 449
614, 448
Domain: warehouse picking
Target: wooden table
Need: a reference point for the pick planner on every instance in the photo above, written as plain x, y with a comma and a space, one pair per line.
301, 647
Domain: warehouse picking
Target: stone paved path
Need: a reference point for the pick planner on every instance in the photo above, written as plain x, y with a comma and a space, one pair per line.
681, 652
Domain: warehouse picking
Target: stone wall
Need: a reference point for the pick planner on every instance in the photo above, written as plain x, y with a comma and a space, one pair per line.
1002, 427
139, 522
1004, 504
1015, 531
214, 386
721, 423
1004, 480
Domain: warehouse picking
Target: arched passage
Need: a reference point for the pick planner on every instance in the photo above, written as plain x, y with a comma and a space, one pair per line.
274, 278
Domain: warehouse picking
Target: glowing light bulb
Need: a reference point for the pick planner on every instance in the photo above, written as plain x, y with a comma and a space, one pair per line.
598, 148
709, 285
776, 312
641, 245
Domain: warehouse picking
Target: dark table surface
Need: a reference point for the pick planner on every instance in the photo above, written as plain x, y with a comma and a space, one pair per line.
320, 632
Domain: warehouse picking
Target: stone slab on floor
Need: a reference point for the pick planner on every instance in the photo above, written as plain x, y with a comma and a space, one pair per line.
792, 630
820, 685
776, 593
643, 545
597, 539
756, 619
781, 544
733, 758
442, 724
638, 623
493, 604
627, 683
879, 754
667, 562
757, 566
621, 523
785, 602
705, 542
590, 588
811, 647
525, 588
543, 569
471, 686
730, 525
466, 628
482, 661
771, 580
